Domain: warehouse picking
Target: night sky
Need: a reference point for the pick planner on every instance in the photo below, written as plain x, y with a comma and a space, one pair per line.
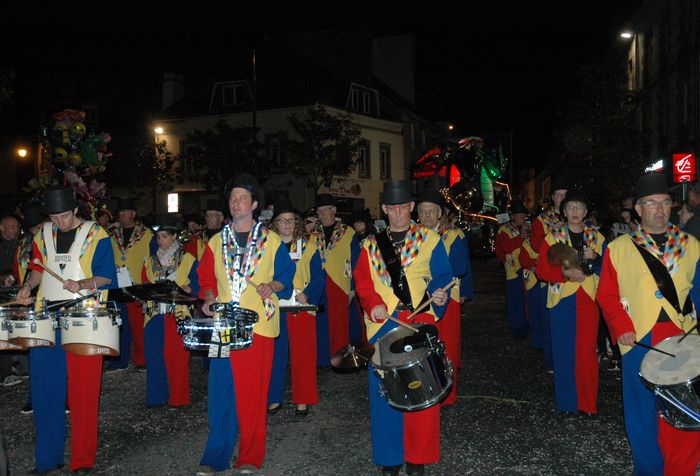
487, 66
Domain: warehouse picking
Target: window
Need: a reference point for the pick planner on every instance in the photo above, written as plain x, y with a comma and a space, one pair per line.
364, 163
275, 152
384, 161
232, 94
354, 100
366, 103
188, 151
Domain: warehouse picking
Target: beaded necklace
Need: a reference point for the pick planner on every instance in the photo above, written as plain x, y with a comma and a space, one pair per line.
324, 249
235, 274
676, 245
118, 235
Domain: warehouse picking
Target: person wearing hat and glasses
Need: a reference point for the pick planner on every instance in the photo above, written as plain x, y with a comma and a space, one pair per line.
422, 269
297, 339
430, 216
637, 311
214, 215
167, 360
573, 311
339, 249
79, 251
132, 242
545, 222
248, 265
511, 242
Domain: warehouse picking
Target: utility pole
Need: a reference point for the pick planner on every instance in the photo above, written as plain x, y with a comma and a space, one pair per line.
255, 112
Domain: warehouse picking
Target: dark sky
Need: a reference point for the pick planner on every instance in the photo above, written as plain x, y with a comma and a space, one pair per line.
488, 66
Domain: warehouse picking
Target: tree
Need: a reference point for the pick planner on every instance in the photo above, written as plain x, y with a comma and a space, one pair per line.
328, 146
219, 152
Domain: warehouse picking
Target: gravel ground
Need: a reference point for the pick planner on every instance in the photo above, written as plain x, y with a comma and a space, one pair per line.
504, 422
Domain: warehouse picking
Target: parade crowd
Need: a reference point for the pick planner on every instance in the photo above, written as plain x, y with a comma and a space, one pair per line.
305, 288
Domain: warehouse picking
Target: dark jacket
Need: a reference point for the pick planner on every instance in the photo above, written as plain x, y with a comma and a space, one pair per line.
693, 225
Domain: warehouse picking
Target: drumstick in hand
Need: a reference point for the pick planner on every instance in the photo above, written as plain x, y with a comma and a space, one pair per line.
49, 270
10, 303
430, 301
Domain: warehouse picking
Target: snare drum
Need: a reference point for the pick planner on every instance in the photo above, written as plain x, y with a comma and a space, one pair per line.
233, 324
675, 380
412, 378
90, 331
29, 328
6, 314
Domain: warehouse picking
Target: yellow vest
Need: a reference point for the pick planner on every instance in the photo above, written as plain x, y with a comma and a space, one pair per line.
337, 265
638, 288
530, 277
302, 276
250, 299
559, 291
182, 278
135, 256
416, 273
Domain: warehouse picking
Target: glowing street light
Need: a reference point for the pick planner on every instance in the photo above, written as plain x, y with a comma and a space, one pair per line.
626, 35
22, 152
158, 130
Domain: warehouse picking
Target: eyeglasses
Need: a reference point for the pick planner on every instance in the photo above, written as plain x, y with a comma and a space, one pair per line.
285, 221
654, 203
575, 207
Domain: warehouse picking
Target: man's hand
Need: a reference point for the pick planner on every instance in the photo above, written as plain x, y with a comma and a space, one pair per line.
574, 274
24, 295
209, 299
378, 314
440, 297
72, 286
302, 299
627, 338
588, 253
265, 290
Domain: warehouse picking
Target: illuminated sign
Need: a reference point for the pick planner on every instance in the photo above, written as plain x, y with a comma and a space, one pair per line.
656, 166
683, 168
172, 203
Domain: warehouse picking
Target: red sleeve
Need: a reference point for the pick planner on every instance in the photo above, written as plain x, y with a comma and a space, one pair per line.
537, 234
191, 246
144, 273
526, 261
206, 274
364, 286
36, 254
546, 271
505, 245
608, 296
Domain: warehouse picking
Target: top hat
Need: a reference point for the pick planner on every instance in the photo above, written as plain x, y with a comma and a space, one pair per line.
651, 183
215, 205
247, 182
166, 222
431, 195
283, 205
325, 199
125, 203
397, 192
361, 215
560, 183
573, 196
33, 215
58, 200
517, 206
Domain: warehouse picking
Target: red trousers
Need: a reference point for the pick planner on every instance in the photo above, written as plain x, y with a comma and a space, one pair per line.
301, 327
338, 316
449, 333
587, 369
135, 310
251, 369
177, 364
84, 380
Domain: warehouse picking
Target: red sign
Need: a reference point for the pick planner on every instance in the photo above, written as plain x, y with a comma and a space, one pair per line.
683, 168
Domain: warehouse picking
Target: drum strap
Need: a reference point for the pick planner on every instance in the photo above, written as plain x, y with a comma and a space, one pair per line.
393, 266
664, 282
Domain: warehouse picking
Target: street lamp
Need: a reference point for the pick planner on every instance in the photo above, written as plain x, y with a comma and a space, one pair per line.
22, 152
158, 130
626, 34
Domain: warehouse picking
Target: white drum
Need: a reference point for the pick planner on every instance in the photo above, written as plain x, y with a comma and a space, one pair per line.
29, 328
90, 331
7, 313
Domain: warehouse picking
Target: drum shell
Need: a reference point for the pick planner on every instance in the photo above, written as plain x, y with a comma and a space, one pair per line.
5, 344
424, 379
90, 331
29, 328
198, 333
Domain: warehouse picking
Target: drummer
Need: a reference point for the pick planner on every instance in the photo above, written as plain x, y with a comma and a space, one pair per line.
420, 255
297, 337
81, 252
167, 360
636, 310
257, 271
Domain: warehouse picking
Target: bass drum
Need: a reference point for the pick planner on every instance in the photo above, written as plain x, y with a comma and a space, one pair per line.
413, 377
675, 380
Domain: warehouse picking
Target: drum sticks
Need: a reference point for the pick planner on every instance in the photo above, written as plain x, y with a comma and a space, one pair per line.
421, 307
48, 270
653, 348
686, 334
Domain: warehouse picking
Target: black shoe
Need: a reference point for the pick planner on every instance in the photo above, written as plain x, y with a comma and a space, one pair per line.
46, 471
272, 411
415, 469
303, 412
82, 471
27, 410
390, 470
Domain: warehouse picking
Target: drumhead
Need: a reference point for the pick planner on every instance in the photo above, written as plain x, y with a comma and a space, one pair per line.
88, 312
23, 313
663, 370
389, 359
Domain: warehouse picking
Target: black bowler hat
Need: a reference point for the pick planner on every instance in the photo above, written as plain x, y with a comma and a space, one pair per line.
397, 192
361, 215
560, 183
126, 203
651, 183
283, 205
215, 205
249, 183
325, 199
573, 196
33, 215
58, 200
166, 222
517, 206
431, 195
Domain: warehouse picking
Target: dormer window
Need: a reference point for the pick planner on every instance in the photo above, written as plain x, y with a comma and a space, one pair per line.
354, 100
366, 103
229, 94
363, 100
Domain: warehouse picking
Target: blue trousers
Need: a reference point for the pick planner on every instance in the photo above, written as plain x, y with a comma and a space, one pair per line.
157, 375
546, 332
535, 309
223, 419
48, 378
122, 361
515, 302
280, 361
563, 326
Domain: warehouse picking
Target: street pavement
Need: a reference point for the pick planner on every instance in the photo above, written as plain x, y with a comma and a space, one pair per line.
504, 422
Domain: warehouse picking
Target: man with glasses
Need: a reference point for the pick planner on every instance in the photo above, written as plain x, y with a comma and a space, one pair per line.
636, 310
423, 269
573, 311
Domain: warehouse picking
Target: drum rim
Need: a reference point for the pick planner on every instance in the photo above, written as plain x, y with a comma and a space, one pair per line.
668, 385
